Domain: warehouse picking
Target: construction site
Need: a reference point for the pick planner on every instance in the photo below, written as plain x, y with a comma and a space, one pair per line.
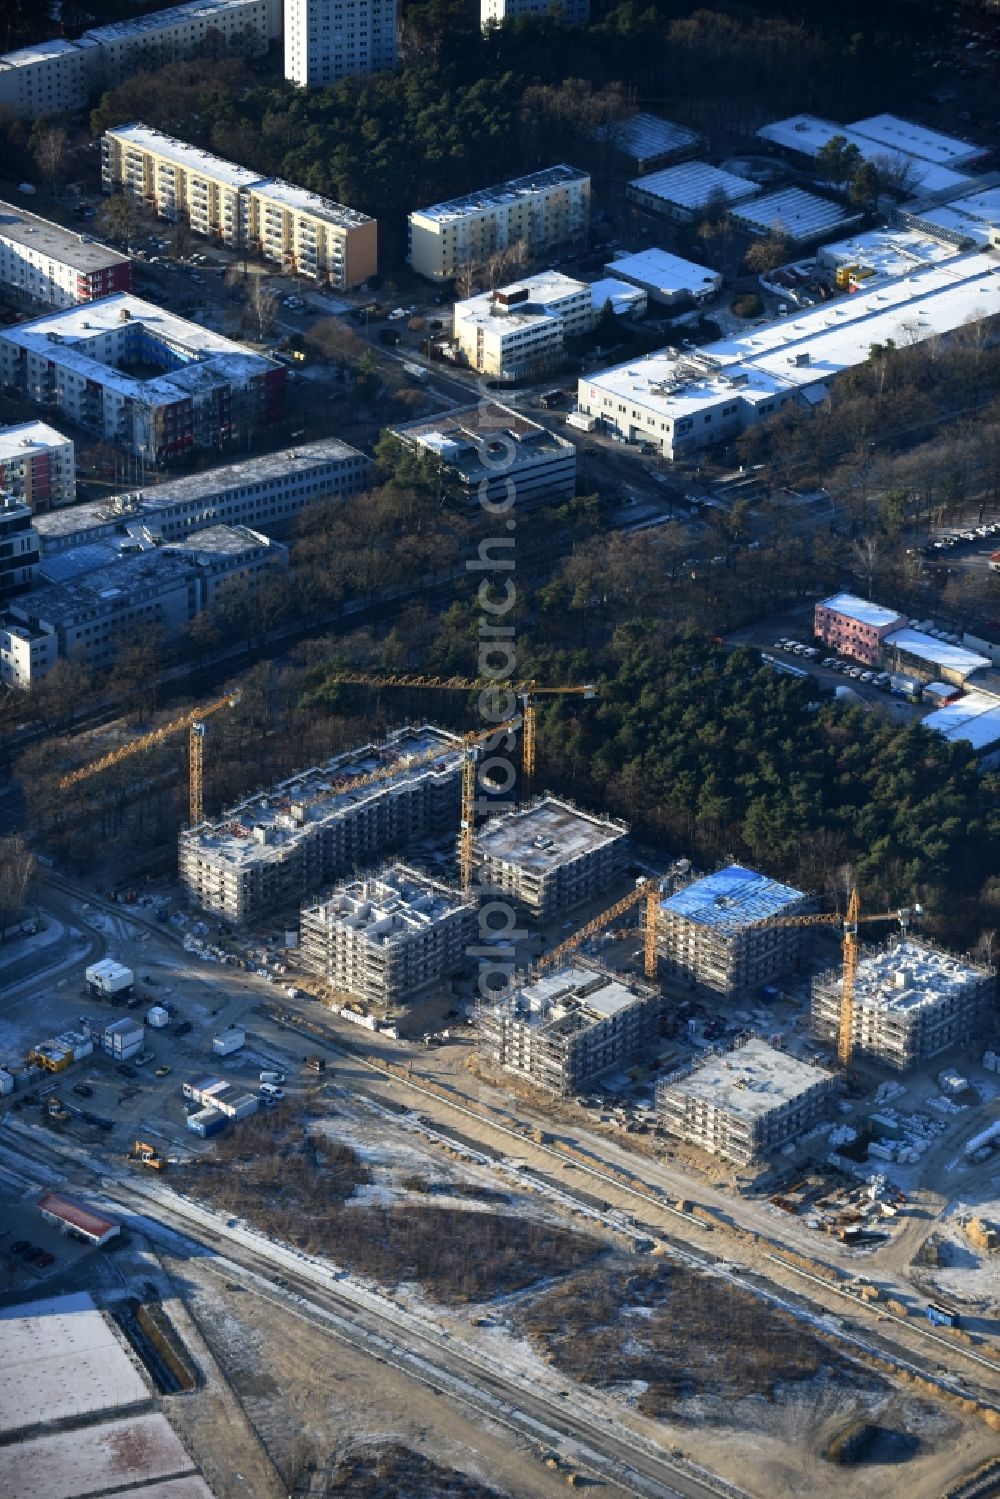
549, 856
560, 1031
910, 1002
387, 937
717, 932
279, 847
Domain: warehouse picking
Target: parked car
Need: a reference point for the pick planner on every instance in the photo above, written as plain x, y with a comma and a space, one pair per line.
82, 1090
45, 1260
124, 1070
182, 1028
163, 1071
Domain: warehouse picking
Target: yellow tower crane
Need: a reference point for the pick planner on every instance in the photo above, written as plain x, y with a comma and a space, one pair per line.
525, 691
849, 924
647, 891
194, 722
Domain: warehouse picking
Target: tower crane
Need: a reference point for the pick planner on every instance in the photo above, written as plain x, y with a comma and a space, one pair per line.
849, 923
647, 891
526, 692
194, 722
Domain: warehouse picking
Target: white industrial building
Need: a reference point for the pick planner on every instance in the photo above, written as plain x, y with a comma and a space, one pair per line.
37, 466
745, 1104
683, 402
496, 12
918, 140
141, 377
911, 1002
710, 931
683, 192
880, 255
546, 209
267, 492
973, 719
388, 937
929, 658
806, 135
47, 263
96, 597
325, 42
53, 76
666, 278
800, 216
647, 141
562, 1030
538, 467
520, 330
279, 847
967, 219
549, 855
626, 300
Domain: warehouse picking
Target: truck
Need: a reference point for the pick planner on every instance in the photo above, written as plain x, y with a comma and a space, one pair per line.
143, 1154
582, 421
271, 1077
415, 372
901, 686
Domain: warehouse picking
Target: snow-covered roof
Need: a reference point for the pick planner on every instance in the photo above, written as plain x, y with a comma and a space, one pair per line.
17, 442
917, 140
889, 252
938, 652
646, 136
182, 154
693, 184
974, 718
301, 200
791, 211
862, 610
495, 197
660, 271
67, 246
622, 295
807, 135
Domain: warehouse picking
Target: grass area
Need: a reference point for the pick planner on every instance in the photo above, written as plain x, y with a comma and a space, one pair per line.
296, 1186
398, 1472
680, 1333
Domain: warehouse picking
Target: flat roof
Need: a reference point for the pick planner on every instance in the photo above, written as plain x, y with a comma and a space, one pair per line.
389, 906
158, 20
69, 246
26, 57
908, 975
798, 214
732, 899
61, 1359
918, 140
813, 347
622, 295
937, 652
889, 252
181, 153
693, 183
504, 192
318, 795
22, 440
301, 200
205, 357
749, 1081
467, 440
972, 215
98, 1460
974, 718
572, 998
808, 134
545, 291
545, 834
67, 1208
644, 136
863, 610
152, 501
222, 541
93, 592
662, 271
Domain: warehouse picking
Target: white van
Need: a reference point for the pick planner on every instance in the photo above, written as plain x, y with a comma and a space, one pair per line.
269, 1090
272, 1077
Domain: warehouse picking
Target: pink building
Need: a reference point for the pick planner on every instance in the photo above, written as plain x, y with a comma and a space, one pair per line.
855, 627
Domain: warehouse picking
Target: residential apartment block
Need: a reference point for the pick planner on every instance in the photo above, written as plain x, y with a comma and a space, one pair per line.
57, 267
280, 847
549, 856
496, 12
266, 492
296, 229
139, 376
38, 466
326, 40
911, 1002
546, 209
65, 75
18, 547
387, 937
563, 1030
520, 330
538, 468
745, 1104
709, 932
95, 600
855, 627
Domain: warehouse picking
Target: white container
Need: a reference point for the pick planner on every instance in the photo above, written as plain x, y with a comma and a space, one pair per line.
157, 1017
228, 1042
6, 1082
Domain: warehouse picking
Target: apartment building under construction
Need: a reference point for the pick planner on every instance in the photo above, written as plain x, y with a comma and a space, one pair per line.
562, 1030
743, 1104
281, 846
387, 937
910, 1002
549, 855
709, 933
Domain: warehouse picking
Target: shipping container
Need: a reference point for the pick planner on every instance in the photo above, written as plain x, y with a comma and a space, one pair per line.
229, 1041
6, 1082
157, 1017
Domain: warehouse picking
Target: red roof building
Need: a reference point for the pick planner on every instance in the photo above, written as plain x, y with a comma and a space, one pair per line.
73, 1216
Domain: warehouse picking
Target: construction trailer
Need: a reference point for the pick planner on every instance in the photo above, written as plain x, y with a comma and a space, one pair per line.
229, 1041
388, 937
562, 1030
708, 932
744, 1104
225, 1098
56, 1054
911, 1001
281, 846
123, 1039
549, 856
110, 981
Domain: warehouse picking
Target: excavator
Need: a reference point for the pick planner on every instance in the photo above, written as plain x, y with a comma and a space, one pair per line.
142, 1154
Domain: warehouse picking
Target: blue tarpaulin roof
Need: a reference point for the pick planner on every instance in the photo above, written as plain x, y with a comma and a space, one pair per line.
732, 897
